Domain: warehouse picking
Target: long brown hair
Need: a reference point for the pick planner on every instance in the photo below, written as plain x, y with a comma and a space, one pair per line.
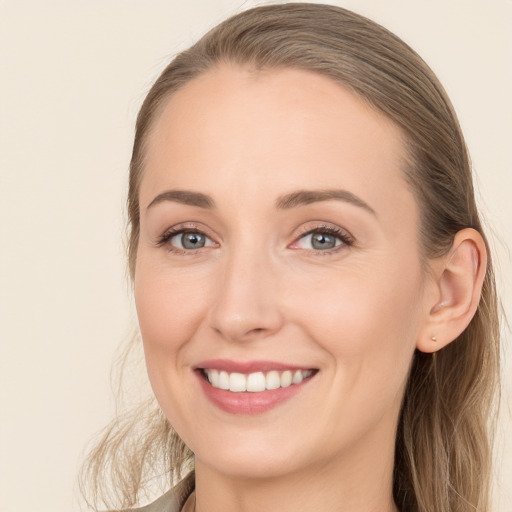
443, 445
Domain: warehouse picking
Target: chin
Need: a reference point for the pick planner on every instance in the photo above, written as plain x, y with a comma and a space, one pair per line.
249, 464
256, 456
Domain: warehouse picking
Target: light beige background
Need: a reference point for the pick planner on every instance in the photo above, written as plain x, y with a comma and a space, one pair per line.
72, 75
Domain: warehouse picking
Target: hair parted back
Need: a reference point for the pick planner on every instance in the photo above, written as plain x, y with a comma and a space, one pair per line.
444, 441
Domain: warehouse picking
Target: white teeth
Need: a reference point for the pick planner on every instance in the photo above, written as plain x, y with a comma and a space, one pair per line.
223, 380
286, 379
297, 377
273, 380
213, 377
255, 382
237, 382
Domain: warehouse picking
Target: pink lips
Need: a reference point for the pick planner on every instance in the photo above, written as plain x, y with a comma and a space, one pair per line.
247, 366
247, 403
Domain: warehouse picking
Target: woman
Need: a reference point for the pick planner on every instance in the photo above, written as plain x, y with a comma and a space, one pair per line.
313, 285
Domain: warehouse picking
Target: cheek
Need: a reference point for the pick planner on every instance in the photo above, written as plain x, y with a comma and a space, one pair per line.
367, 319
167, 304
363, 304
169, 309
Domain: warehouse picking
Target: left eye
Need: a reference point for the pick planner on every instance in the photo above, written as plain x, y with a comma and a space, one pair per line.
319, 241
190, 240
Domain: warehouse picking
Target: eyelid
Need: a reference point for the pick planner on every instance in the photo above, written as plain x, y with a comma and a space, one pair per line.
342, 234
185, 227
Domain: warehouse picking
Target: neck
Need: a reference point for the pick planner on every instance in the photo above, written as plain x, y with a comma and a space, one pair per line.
356, 482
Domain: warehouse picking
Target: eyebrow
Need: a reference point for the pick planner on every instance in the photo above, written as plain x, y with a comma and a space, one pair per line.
184, 197
305, 197
288, 201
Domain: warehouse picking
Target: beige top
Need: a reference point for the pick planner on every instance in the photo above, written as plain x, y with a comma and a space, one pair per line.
175, 500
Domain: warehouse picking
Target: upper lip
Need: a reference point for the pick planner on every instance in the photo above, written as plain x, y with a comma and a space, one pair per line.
247, 367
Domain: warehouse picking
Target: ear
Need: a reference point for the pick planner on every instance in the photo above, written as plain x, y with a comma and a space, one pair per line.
454, 294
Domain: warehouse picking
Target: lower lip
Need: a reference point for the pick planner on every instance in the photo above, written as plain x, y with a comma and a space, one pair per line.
248, 403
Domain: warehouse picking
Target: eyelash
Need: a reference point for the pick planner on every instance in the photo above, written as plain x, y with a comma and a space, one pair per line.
346, 239
172, 232
343, 236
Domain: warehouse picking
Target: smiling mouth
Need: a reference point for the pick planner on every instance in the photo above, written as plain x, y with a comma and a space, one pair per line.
255, 382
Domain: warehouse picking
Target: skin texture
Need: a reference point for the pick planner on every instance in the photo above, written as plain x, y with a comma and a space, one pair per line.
258, 290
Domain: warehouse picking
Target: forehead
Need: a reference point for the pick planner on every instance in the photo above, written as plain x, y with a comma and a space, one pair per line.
236, 132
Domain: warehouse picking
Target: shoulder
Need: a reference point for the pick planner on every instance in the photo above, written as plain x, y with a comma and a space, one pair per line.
173, 500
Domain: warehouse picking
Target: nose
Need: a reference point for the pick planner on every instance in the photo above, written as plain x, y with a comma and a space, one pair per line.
246, 304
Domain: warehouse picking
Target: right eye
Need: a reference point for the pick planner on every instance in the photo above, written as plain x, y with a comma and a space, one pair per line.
185, 240
189, 240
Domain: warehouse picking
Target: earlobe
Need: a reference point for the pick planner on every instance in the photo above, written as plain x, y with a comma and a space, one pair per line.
458, 279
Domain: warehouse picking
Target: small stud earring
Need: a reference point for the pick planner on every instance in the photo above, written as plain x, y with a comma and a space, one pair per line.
434, 339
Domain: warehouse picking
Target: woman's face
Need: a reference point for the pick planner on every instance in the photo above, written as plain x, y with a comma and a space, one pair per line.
278, 243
